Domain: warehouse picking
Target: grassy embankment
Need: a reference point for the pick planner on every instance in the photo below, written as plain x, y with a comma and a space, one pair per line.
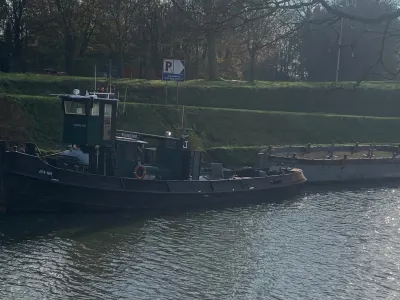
232, 120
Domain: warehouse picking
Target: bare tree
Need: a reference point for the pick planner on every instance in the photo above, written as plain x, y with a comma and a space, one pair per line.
119, 28
70, 22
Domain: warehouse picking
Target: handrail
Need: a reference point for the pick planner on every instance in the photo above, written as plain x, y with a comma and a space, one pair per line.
154, 136
305, 149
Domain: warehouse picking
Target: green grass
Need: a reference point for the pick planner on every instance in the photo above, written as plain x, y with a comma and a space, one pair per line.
222, 127
200, 83
232, 119
371, 99
230, 136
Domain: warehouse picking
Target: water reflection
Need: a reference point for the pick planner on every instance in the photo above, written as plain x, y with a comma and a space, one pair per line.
341, 244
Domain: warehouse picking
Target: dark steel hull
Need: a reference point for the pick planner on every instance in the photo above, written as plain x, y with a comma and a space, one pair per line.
30, 184
51, 197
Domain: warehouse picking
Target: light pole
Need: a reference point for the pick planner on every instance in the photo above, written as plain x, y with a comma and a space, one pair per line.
340, 48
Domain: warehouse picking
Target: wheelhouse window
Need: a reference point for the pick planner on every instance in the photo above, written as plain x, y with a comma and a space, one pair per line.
74, 108
95, 111
107, 122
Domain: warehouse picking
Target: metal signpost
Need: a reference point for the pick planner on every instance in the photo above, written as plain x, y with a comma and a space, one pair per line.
173, 70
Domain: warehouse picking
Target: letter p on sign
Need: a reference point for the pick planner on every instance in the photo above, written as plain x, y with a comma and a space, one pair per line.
168, 66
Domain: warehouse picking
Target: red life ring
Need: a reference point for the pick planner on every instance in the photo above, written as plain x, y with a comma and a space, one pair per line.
135, 172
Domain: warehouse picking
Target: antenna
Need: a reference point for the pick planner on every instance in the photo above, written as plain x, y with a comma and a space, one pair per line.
95, 79
109, 74
183, 117
126, 91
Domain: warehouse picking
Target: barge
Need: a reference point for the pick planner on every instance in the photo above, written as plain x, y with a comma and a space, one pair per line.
322, 164
110, 169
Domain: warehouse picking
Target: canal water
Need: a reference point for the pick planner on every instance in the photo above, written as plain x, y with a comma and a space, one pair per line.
323, 244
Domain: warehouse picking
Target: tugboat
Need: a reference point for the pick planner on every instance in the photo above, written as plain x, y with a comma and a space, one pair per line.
110, 169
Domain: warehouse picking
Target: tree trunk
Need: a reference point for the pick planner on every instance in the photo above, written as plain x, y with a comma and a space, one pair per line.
212, 56
252, 76
208, 6
69, 57
196, 70
17, 51
121, 64
6, 50
69, 68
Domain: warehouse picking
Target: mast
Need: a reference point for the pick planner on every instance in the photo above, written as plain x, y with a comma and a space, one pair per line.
95, 79
126, 91
183, 117
109, 72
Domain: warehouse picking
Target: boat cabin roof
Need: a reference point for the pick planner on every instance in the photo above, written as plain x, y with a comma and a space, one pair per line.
92, 95
79, 97
108, 96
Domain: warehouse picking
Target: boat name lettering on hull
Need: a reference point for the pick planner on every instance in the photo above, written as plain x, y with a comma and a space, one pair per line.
44, 172
130, 136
